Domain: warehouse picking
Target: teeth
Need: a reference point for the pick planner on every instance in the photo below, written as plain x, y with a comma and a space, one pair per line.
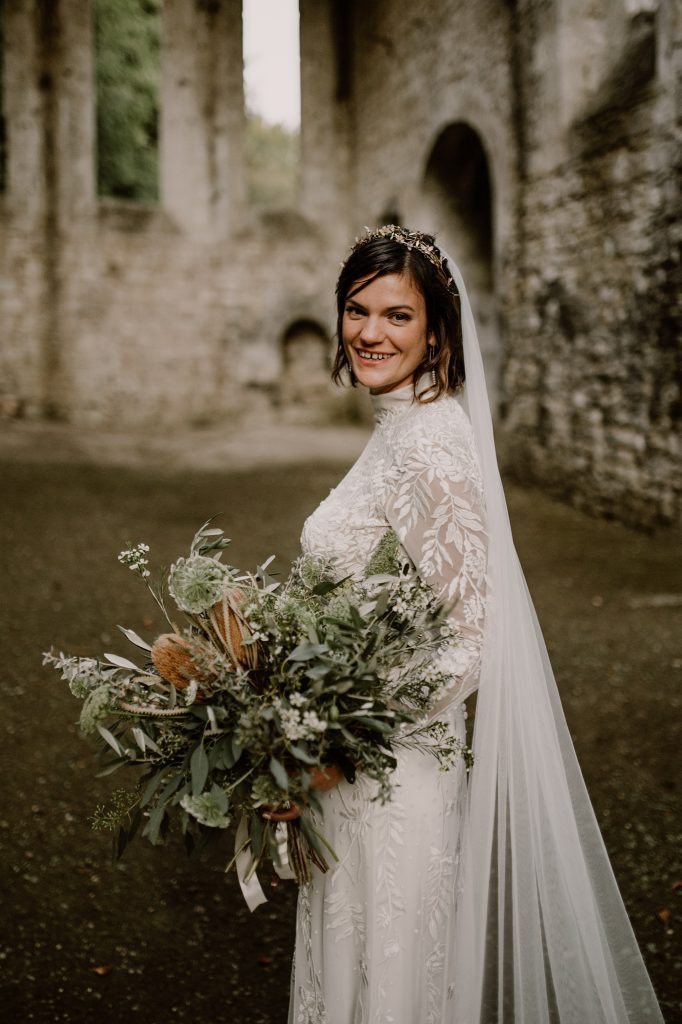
374, 355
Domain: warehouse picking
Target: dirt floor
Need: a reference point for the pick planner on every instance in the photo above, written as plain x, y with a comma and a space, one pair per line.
158, 938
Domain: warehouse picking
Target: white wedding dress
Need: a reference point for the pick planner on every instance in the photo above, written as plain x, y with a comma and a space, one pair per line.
371, 934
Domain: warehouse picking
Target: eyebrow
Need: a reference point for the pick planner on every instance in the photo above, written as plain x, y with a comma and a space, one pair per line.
389, 309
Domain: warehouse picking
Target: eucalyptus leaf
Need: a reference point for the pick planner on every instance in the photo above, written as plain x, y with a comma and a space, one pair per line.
119, 662
111, 767
131, 635
306, 651
302, 755
152, 786
135, 823
273, 847
199, 769
140, 738
121, 841
152, 829
279, 774
220, 797
110, 739
144, 741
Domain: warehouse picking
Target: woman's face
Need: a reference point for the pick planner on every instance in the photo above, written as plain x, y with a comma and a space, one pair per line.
384, 332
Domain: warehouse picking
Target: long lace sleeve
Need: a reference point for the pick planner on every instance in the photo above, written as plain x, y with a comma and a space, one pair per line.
434, 503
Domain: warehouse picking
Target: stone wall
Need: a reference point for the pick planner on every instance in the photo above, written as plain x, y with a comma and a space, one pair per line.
540, 138
577, 107
115, 313
594, 370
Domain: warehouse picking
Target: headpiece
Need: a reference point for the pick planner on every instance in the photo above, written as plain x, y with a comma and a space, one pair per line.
411, 240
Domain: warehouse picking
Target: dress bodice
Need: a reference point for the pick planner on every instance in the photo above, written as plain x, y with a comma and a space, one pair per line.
419, 475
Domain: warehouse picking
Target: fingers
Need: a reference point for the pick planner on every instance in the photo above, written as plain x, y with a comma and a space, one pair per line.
282, 812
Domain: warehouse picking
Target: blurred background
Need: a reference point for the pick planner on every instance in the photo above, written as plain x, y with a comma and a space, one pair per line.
179, 181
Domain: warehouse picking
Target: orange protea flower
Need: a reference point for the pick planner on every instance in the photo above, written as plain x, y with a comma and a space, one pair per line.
231, 628
172, 659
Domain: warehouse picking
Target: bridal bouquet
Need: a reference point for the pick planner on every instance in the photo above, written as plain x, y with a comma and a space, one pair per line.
246, 705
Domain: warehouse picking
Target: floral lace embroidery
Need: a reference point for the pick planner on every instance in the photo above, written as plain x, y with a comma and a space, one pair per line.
418, 475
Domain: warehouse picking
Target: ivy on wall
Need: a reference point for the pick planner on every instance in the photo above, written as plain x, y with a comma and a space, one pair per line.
3, 145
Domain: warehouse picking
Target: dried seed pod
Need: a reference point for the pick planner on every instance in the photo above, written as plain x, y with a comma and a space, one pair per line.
231, 628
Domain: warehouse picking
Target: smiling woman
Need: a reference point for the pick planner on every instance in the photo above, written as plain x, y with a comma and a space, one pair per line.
385, 335
397, 320
461, 900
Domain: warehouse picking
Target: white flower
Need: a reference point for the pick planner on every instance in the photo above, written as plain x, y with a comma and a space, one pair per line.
296, 699
312, 722
95, 708
134, 559
291, 724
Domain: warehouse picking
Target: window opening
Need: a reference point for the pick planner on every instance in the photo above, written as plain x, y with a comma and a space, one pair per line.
128, 74
272, 91
3, 138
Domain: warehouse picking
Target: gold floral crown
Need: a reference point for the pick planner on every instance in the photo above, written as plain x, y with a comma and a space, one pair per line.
411, 240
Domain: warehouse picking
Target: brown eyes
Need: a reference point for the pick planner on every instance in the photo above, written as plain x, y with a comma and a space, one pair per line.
399, 318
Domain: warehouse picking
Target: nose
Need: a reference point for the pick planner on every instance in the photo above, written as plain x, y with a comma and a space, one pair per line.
371, 332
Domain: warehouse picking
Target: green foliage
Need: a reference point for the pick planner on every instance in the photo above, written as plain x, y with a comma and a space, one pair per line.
118, 812
385, 557
3, 144
331, 672
272, 163
127, 82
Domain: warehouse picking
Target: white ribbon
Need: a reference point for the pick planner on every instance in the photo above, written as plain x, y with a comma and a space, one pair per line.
284, 870
251, 888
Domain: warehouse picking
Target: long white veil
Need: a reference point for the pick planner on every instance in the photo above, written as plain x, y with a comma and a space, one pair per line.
541, 934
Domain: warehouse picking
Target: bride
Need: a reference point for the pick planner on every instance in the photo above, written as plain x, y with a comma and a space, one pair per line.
458, 902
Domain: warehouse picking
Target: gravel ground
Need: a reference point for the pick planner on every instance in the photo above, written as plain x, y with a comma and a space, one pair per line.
158, 938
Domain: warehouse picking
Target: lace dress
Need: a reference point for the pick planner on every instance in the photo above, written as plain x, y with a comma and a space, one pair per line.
371, 934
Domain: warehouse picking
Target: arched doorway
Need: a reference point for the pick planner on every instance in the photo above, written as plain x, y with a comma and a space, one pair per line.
457, 206
305, 366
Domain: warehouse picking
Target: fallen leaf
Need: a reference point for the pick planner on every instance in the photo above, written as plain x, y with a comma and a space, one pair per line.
664, 915
102, 970
264, 959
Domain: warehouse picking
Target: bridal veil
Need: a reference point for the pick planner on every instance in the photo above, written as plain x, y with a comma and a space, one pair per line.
541, 933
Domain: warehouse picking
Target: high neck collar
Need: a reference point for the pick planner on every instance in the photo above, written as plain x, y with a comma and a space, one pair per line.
401, 398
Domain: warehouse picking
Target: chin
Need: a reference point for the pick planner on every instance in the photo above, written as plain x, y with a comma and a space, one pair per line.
375, 377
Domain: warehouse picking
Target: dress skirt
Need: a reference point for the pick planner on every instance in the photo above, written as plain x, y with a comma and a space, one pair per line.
371, 933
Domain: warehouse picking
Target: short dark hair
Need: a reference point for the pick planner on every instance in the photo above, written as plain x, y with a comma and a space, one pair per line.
380, 256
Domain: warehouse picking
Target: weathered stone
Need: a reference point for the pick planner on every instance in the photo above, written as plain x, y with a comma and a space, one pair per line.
540, 139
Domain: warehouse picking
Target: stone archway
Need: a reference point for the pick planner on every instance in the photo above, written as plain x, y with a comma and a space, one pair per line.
305, 367
456, 204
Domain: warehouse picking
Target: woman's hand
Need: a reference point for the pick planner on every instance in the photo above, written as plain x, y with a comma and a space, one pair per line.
287, 811
321, 779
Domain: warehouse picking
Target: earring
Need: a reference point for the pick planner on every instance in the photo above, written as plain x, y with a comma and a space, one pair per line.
434, 376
